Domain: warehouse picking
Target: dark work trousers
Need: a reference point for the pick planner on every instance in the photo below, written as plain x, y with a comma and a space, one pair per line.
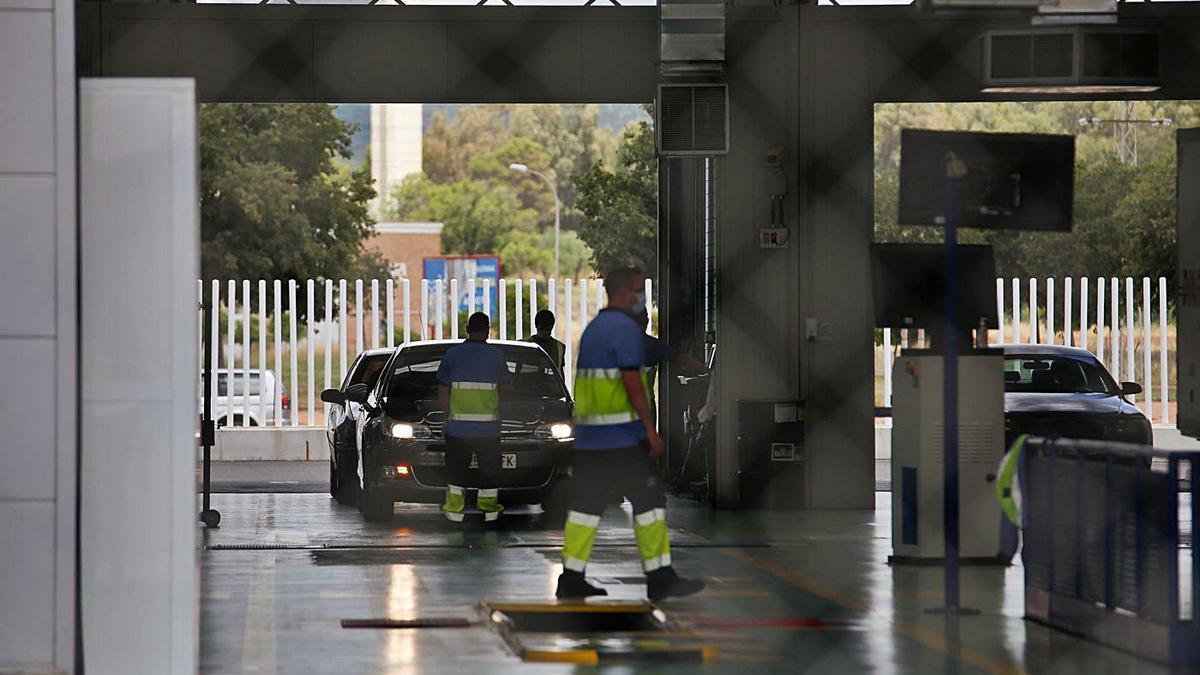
458, 462
628, 472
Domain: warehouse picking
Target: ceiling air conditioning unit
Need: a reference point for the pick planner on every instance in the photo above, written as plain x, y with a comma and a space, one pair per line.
1072, 60
692, 119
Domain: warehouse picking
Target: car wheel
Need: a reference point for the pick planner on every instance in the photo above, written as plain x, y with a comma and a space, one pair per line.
347, 483
333, 479
374, 508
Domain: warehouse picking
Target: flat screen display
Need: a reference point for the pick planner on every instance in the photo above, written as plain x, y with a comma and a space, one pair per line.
909, 285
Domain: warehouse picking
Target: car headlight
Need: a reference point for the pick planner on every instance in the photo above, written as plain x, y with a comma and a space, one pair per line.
559, 431
408, 431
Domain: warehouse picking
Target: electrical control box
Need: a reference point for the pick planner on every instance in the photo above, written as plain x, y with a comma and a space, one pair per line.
917, 456
771, 457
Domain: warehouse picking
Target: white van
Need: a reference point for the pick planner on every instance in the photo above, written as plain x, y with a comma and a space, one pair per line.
239, 407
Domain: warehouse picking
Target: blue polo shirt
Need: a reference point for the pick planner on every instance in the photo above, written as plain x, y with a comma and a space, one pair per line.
473, 361
612, 340
657, 351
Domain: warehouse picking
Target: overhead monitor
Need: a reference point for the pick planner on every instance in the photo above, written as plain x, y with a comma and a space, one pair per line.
1012, 181
909, 283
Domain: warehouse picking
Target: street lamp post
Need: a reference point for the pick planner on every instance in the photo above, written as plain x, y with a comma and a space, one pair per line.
521, 168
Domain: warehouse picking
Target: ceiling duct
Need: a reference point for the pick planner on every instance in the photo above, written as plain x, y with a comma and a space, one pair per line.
691, 37
692, 119
1072, 60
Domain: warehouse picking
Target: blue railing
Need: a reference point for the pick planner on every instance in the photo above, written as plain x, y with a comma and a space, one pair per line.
1107, 554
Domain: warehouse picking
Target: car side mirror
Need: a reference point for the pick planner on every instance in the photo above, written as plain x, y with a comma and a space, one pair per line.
357, 392
333, 396
1130, 388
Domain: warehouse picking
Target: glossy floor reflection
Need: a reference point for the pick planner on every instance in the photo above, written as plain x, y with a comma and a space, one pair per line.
277, 607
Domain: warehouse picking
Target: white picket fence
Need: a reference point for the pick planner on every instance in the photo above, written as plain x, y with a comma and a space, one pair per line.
1127, 321
425, 308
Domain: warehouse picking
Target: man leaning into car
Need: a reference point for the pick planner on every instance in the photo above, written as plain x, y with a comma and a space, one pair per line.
469, 380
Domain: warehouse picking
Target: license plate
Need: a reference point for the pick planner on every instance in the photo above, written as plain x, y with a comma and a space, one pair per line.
508, 460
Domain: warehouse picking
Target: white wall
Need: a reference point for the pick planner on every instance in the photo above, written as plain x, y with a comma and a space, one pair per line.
37, 335
139, 216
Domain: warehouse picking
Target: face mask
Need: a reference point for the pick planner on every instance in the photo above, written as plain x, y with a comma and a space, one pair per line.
639, 305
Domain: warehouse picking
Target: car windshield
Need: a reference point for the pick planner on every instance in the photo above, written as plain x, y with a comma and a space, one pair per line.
414, 373
1055, 374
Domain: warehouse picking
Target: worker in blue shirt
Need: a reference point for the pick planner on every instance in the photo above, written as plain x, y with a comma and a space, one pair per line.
469, 380
616, 446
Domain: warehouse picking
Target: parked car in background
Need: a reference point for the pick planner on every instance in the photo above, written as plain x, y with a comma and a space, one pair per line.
1053, 390
341, 420
255, 406
399, 443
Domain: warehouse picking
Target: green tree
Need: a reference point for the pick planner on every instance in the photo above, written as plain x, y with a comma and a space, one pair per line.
532, 253
273, 204
620, 207
477, 216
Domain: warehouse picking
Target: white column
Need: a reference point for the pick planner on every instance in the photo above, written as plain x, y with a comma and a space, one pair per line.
502, 299
1051, 338
1083, 312
1114, 320
452, 309
1100, 309
406, 289
276, 393
1147, 341
425, 309
230, 350
583, 305
887, 355
295, 374
1068, 332
310, 397
1130, 358
487, 299
1033, 311
390, 293
650, 300
246, 318
326, 382
263, 396
570, 344
1016, 310
532, 304
551, 303
518, 314
471, 288
214, 361
599, 290
343, 330
439, 298
358, 316
887, 332
374, 313
1163, 372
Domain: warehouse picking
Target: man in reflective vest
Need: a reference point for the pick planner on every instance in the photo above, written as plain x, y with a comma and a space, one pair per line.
616, 445
469, 380
544, 322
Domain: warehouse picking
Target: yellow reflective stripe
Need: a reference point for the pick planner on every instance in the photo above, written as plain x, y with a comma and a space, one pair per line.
487, 386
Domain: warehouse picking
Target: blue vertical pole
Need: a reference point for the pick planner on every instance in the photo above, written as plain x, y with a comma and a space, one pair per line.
950, 396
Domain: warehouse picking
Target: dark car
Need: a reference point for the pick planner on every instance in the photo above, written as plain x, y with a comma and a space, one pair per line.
341, 422
401, 449
1052, 390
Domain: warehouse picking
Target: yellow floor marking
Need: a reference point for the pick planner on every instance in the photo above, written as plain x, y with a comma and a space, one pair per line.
919, 634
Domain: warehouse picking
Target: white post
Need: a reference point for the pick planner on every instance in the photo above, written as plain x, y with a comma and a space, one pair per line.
1114, 321
358, 316
570, 351
551, 303
887, 355
230, 350
1033, 311
583, 305
440, 314
295, 375
262, 350
1100, 307
374, 313
406, 289
650, 300
1130, 358
200, 335
1083, 312
518, 314
1016, 310
452, 310
343, 329
246, 318
1068, 333
599, 285
277, 392
532, 304
471, 286
328, 336
310, 353
215, 340
1162, 349
1147, 339
487, 298
1051, 338
390, 292
887, 332
502, 299
424, 309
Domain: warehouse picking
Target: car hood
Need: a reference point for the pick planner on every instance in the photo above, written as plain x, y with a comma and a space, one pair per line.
1081, 403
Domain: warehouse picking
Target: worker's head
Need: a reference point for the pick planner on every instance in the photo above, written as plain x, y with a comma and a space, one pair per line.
643, 319
626, 289
478, 326
544, 320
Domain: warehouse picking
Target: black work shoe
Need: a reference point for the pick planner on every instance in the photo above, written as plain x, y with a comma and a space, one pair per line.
574, 585
664, 583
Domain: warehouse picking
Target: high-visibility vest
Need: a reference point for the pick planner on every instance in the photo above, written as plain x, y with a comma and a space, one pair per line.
601, 399
1008, 486
474, 402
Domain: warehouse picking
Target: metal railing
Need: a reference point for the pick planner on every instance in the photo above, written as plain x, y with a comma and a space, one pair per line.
363, 314
1107, 547
1118, 330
